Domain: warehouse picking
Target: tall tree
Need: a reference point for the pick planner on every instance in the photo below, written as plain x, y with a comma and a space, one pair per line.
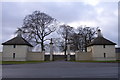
65, 31
86, 35
75, 42
36, 27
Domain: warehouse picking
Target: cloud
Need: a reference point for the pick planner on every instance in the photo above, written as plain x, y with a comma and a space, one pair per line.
97, 13
87, 23
92, 2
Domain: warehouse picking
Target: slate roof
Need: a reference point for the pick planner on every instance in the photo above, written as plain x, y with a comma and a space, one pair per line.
101, 41
18, 40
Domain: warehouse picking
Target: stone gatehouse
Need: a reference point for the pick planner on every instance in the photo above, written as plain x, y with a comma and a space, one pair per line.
18, 49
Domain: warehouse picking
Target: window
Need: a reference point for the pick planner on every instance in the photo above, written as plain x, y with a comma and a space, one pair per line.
13, 55
14, 46
104, 55
103, 46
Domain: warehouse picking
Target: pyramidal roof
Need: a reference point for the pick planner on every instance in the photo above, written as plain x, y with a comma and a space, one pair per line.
100, 40
18, 40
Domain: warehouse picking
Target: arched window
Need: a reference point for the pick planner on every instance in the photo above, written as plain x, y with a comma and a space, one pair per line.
13, 55
14, 46
104, 55
103, 46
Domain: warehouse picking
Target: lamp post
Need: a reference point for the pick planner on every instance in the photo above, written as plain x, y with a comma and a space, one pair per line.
51, 50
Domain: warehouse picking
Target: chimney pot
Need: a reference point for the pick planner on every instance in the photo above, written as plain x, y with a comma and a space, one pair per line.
99, 33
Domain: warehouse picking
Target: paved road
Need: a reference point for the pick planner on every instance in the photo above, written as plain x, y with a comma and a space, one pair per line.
61, 69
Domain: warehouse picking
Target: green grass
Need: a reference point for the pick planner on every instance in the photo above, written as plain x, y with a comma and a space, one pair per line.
24, 62
112, 61
19, 62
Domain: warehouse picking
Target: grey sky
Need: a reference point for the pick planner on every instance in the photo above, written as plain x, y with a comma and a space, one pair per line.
102, 14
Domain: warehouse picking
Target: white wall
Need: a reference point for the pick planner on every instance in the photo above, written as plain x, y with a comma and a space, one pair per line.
35, 56
30, 49
98, 52
20, 52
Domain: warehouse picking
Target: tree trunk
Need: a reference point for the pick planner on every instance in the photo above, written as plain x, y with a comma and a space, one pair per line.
65, 50
42, 45
85, 44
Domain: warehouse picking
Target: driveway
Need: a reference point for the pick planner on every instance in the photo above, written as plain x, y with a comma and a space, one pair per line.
61, 69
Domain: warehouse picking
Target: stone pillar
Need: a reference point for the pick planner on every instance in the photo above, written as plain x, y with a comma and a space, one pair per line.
43, 55
51, 50
68, 52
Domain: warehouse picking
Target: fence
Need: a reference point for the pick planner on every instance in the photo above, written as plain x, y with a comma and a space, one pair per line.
59, 57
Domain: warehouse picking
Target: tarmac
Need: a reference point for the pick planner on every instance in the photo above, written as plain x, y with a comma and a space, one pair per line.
61, 69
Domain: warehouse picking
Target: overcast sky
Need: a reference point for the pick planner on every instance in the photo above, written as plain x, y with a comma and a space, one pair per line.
93, 14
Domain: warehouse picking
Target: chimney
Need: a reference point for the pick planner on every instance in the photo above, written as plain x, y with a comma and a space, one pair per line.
19, 34
99, 33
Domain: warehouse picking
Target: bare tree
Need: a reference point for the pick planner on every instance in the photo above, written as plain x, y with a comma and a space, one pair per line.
86, 35
75, 42
36, 27
65, 31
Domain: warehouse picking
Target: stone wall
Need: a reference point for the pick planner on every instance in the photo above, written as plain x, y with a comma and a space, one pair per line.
98, 52
35, 56
11, 53
118, 56
83, 56
59, 57
0, 56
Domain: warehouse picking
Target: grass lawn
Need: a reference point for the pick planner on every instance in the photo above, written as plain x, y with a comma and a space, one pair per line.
19, 62
24, 62
115, 61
